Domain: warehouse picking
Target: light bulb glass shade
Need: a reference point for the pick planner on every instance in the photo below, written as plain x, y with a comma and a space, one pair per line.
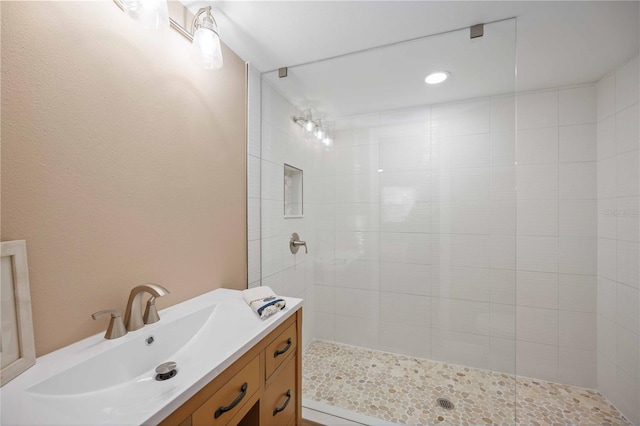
205, 49
320, 133
153, 14
309, 126
436, 77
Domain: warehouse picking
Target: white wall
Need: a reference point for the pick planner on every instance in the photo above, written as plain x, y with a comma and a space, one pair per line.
618, 255
420, 258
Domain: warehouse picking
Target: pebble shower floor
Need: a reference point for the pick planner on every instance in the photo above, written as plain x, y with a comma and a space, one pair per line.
404, 390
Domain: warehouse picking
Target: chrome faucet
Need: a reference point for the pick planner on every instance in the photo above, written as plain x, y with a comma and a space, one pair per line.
133, 316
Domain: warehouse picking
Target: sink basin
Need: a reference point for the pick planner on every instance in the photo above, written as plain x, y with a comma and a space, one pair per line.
134, 359
99, 382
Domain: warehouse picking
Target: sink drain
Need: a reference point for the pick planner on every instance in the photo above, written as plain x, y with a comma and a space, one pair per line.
445, 403
166, 371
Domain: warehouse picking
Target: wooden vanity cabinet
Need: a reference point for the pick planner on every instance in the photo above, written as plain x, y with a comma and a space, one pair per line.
262, 388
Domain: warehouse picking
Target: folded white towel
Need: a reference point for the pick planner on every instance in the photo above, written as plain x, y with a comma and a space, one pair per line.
263, 301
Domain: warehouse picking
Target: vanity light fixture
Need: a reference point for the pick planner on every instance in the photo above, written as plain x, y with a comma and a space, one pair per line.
314, 127
204, 36
437, 77
205, 48
152, 14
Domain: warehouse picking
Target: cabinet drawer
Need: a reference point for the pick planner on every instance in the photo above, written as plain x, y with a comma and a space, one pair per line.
278, 404
280, 348
230, 398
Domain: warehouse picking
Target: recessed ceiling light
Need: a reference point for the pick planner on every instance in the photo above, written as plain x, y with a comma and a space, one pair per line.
437, 77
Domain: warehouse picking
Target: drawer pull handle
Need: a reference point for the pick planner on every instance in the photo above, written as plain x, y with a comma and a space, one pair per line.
220, 411
278, 409
286, 348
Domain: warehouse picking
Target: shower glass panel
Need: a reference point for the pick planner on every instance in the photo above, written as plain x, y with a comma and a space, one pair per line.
410, 222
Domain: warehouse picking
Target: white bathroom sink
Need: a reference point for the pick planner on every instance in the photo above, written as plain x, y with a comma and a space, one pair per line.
98, 381
132, 361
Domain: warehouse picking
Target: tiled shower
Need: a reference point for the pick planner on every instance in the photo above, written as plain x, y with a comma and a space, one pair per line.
500, 233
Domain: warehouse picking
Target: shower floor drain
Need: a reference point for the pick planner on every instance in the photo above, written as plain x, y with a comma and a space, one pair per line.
445, 403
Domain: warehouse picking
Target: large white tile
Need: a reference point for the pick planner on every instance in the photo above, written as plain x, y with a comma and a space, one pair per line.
358, 274
629, 389
322, 189
628, 344
324, 216
627, 307
627, 84
503, 251
401, 156
356, 159
606, 137
399, 213
405, 309
412, 340
461, 315
578, 105
578, 143
408, 278
463, 118
405, 247
272, 187
462, 217
323, 271
357, 303
578, 218
607, 295
537, 289
627, 219
462, 151
628, 263
607, 177
627, 138
324, 299
607, 339
577, 330
272, 218
627, 174
362, 188
607, 378
462, 184
253, 219
578, 367
577, 293
539, 109
357, 216
503, 148
537, 360
415, 184
503, 217
606, 96
578, 181
537, 253
537, 182
357, 331
503, 355
503, 181
462, 283
537, 146
253, 177
537, 217
607, 218
272, 260
578, 255
253, 261
503, 321
537, 325
461, 348
324, 326
357, 245
503, 286
463, 250
503, 114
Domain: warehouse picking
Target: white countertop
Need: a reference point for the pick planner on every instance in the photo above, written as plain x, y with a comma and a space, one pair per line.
142, 400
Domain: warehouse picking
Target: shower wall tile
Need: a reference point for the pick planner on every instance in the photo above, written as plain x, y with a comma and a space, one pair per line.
538, 146
537, 253
577, 330
626, 130
539, 109
503, 114
403, 247
360, 274
578, 218
357, 303
473, 284
363, 188
461, 315
414, 185
577, 293
537, 360
577, 366
577, 105
357, 331
407, 309
537, 182
461, 151
412, 340
461, 348
627, 174
578, 143
537, 217
627, 85
577, 255
606, 137
606, 96
406, 278
464, 118
404, 156
578, 181
537, 289
537, 325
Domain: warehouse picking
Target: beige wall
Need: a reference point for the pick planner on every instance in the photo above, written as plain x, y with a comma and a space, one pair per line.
122, 163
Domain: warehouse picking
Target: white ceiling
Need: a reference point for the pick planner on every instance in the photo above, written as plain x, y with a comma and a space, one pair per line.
559, 43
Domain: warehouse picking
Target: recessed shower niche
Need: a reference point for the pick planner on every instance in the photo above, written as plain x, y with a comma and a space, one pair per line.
293, 192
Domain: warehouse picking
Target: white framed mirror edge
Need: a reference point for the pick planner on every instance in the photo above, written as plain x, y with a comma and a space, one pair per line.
16, 251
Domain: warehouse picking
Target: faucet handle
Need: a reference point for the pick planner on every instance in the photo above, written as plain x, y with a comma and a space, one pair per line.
116, 326
150, 312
